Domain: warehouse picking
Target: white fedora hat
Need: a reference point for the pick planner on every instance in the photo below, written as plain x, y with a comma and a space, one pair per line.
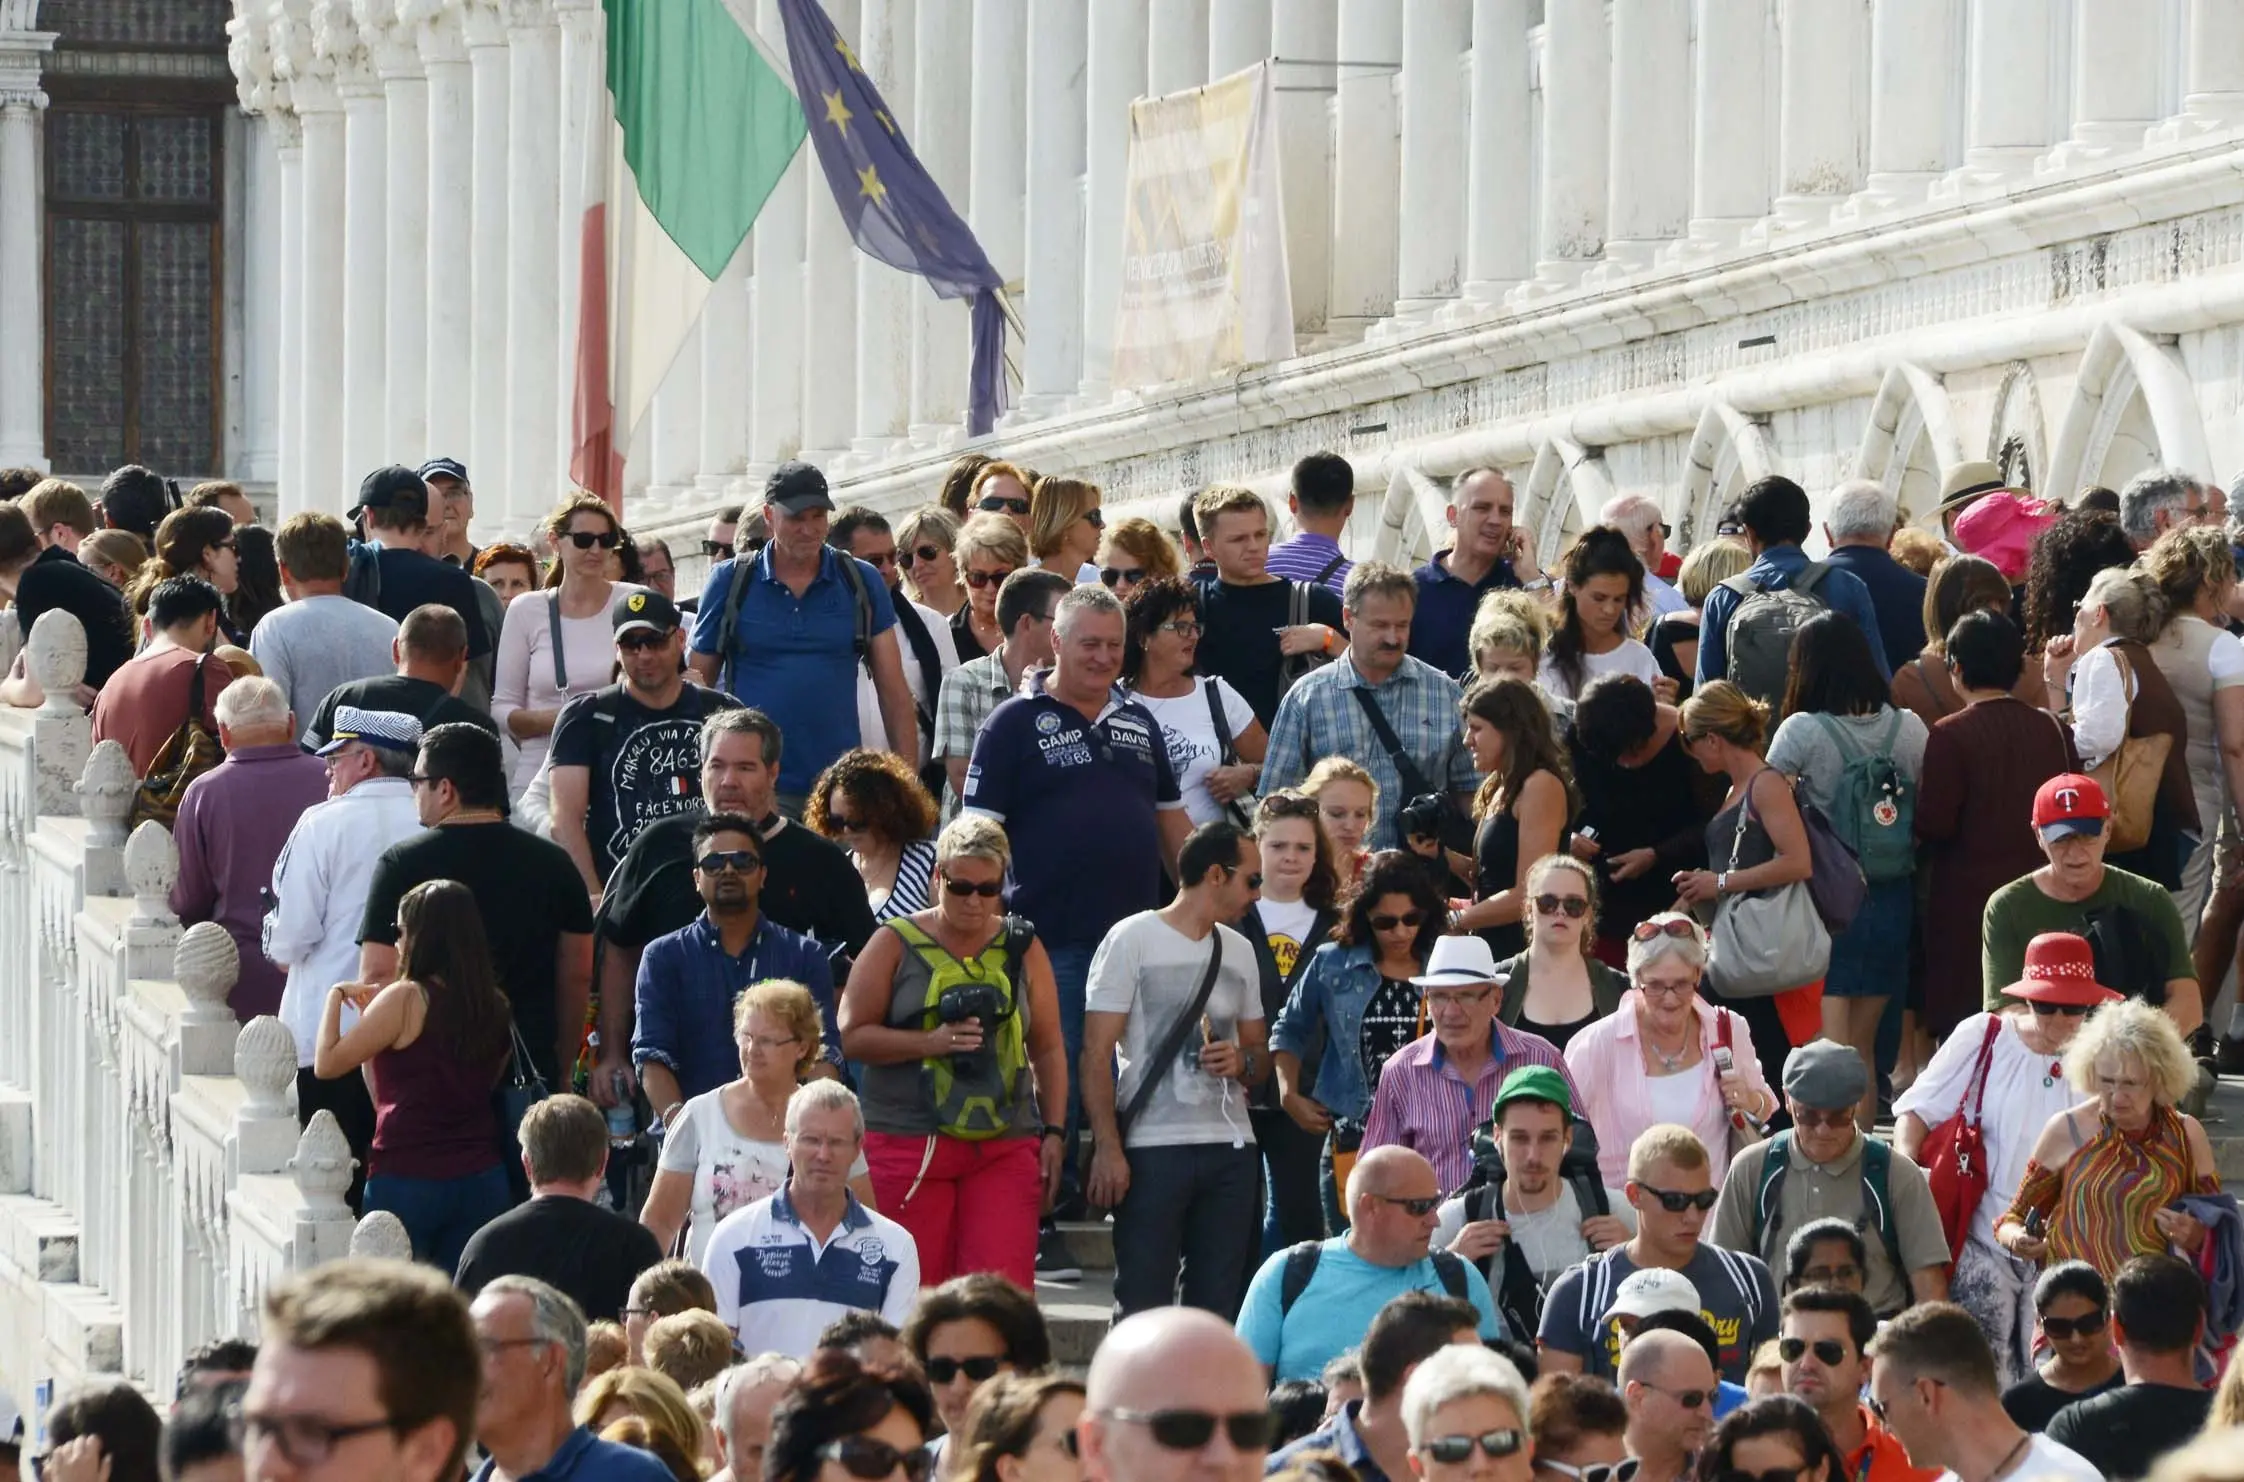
1458, 962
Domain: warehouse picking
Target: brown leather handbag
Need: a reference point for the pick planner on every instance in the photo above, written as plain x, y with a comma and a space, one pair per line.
187, 753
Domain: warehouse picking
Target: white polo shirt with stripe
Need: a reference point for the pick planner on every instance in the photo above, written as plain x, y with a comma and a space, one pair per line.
778, 1287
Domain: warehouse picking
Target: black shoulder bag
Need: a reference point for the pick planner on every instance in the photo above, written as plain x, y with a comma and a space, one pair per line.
1172, 1040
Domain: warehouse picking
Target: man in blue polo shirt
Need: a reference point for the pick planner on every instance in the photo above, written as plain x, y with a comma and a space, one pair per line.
1489, 554
1081, 781
790, 642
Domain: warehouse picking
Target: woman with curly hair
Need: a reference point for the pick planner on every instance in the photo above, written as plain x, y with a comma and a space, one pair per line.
558, 644
872, 804
2062, 562
1604, 593
1215, 743
1521, 812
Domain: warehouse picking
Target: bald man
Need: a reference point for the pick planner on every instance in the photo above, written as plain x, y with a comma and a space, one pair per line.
1173, 1394
1311, 1303
1667, 1382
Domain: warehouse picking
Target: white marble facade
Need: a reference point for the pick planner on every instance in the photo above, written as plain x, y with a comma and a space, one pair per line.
1656, 245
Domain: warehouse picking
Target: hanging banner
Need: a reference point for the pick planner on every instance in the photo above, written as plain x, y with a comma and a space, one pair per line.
1204, 287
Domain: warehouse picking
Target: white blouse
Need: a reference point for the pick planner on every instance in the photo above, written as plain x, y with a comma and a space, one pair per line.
2024, 1090
528, 678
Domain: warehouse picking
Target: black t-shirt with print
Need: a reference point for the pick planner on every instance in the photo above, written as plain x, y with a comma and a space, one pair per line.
645, 763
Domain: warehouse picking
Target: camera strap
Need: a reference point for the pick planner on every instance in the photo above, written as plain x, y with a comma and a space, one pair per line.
1172, 1042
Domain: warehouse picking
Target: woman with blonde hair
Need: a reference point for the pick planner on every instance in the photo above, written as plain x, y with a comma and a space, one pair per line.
1509, 635
1557, 988
1756, 841
1521, 812
1020, 1428
115, 556
1134, 552
1674, 636
1347, 804
926, 553
1065, 525
990, 548
634, 1391
558, 643
727, 1148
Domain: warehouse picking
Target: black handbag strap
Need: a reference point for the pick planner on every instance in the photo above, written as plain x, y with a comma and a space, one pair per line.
1172, 1040
1414, 783
198, 709
560, 659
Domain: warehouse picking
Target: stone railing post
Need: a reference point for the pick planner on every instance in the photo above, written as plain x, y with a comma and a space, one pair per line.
265, 1130
381, 1236
205, 965
322, 1170
105, 795
55, 654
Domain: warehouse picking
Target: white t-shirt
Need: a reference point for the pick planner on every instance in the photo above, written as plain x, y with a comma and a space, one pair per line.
1631, 657
1150, 971
1189, 729
730, 1171
2046, 1458
872, 730
1551, 1238
2024, 1090
1287, 924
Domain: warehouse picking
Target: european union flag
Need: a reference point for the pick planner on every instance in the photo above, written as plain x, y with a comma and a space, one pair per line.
895, 211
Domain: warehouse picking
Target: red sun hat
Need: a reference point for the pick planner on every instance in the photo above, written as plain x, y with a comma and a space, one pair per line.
2061, 969
2070, 803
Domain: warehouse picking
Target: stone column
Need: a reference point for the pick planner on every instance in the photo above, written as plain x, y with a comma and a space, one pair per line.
533, 307
405, 334
776, 428
2009, 101
1176, 45
585, 106
1648, 192
1366, 166
2212, 69
366, 247
1730, 124
486, 345
2117, 66
447, 334
1577, 67
256, 457
1052, 366
1305, 31
325, 483
998, 118
1499, 237
726, 343
289, 139
1430, 246
1238, 35
1912, 75
1819, 130
675, 412
1117, 78
884, 295
23, 422
829, 290
943, 100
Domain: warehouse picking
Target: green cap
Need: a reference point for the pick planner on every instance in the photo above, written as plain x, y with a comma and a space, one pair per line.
1532, 1083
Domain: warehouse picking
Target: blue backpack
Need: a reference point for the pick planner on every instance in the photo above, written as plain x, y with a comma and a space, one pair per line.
1874, 807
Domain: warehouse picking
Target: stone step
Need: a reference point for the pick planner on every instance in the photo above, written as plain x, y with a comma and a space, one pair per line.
1077, 1314
1091, 1242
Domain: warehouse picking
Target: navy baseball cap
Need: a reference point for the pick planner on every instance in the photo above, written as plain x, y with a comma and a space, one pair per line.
444, 468
798, 487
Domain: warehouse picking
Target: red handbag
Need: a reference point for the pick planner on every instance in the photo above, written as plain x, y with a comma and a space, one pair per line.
1954, 1156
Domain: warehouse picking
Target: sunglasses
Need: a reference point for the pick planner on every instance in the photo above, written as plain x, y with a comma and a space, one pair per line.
1573, 905
907, 559
2085, 1326
2069, 1010
862, 1456
980, 1369
1450, 1450
1680, 926
1254, 881
228, 544
1623, 1470
1773, 1474
848, 825
1416, 1208
634, 642
1114, 576
585, 540
738, 861
1098, 521
1675, 1203
980, 579
1829, 1352
1689, 1399
999, 505
716, 550
1409, 919
1190, 1430
987, 889
1828, 1121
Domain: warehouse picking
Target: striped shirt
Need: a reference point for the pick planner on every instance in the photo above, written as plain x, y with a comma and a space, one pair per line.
1320, 718
914, 890
1305, 557
1424, 1104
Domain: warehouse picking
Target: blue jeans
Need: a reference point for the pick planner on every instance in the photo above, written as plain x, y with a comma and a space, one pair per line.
441, 1213
1186, 1231
1071, 969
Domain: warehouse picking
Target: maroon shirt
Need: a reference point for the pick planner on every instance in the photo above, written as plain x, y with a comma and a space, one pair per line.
232, 824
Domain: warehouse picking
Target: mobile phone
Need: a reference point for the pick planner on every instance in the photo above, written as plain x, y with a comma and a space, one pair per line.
1722, 1060
1586, 832
2035, 1223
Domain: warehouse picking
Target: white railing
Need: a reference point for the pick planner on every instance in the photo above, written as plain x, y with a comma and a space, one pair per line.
153, 1177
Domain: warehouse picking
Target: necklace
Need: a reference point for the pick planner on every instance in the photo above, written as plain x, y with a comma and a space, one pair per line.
2008, 1457
1668, 1063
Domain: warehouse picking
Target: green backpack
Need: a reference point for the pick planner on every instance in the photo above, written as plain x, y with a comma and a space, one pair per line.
975, 1095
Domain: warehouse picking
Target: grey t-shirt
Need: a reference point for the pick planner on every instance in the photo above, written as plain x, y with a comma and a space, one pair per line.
1816, 1191
1803, 748
311, 645
1150, 971
1550, 1238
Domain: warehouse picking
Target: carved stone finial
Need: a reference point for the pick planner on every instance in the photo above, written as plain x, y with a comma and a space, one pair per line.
105, 792
151, 869
206, 964
56, 657
381, 1236
323, 1162
265, 1063
249, 57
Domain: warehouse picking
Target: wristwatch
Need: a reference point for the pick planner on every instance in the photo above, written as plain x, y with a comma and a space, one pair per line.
1048, 1130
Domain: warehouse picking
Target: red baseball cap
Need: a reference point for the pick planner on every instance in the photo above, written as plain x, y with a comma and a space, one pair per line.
2070, 804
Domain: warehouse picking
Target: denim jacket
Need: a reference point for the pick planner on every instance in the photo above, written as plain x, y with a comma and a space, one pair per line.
1326, 1009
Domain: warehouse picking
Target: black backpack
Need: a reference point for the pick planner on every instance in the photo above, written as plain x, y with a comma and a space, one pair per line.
1301, 1269
1519, 1296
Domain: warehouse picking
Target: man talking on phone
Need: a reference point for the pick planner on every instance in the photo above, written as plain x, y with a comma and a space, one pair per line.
1489, 553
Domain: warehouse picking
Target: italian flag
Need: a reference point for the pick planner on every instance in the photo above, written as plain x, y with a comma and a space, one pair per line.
704, 123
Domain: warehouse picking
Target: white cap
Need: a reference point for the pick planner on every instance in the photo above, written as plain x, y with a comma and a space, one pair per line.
1651, 1291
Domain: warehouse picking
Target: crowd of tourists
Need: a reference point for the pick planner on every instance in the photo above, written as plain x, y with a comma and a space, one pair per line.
1720, 1013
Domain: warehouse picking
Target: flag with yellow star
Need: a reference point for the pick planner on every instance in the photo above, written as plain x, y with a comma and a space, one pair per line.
895, 211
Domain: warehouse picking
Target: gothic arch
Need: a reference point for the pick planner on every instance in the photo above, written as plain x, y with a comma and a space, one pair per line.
1565, 489
1413, 517
1728, 451
2132, 408
2018, 438
1910, 442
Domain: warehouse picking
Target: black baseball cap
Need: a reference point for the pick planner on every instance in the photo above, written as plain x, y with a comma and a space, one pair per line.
398, 490
797, 487
444, 468
649, 610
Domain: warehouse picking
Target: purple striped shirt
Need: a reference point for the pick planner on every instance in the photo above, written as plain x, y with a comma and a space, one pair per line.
1306, 555
1424, 1104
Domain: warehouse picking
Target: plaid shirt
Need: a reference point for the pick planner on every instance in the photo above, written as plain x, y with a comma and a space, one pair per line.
970, 693
1320, 718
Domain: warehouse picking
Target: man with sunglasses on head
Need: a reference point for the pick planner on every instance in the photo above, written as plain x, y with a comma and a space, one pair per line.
629, 754
1025, 605
1668, 1386
1821, 1347
1823, 1167
1671, 1186
1174, 1396
1369, 1434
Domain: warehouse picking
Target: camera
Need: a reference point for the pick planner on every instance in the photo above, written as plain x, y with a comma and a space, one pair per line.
969, 1001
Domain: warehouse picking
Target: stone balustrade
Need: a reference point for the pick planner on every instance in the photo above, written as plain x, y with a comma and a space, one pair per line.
154, 1181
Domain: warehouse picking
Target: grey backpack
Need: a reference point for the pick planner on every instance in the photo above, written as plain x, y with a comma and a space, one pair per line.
1762, 626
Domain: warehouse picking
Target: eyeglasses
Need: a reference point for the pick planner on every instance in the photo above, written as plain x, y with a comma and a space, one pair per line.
997, 504
737, 861
640, 641
716, 550
306, 1440
421, 779
2069, 1010
862, 1456
1410, 919
907, 559
987, 889
1189, 1430
1623, 1470
880, 558
769, 1041
1450, 1450
228, 544
1575, 906
979, 1368
849, 825
1675, 1203
1689, 1399
1183, 629
1677, 926
1114, 576
980, 579
1828, 1121
1455, 999
585, 540
1831, 1275
1416, 1208
1829, 1352
2087, 1325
